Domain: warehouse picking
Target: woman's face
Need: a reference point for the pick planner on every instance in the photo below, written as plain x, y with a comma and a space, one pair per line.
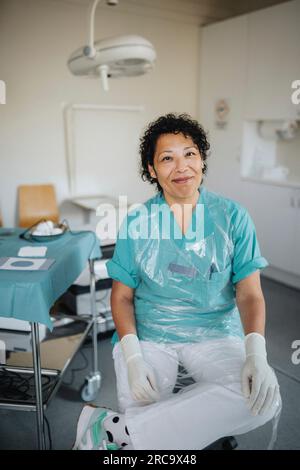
177, 165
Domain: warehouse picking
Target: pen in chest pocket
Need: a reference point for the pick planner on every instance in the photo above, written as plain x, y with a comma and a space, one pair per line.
212, 269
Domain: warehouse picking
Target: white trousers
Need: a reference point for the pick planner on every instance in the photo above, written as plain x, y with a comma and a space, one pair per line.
199, 414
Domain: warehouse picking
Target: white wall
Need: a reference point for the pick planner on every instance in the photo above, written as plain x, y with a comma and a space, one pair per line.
36, 38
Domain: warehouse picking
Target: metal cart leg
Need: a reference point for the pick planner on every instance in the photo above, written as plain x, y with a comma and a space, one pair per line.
94, 313
38, 384
93, 380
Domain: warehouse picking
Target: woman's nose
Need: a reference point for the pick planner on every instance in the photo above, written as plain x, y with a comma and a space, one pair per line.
181, 164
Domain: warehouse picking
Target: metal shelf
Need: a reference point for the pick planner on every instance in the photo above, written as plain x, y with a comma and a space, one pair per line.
54, 376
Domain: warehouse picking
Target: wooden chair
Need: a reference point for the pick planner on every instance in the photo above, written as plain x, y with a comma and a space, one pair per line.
37, 202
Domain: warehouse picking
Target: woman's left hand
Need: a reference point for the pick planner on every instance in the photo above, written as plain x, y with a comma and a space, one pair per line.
259, 382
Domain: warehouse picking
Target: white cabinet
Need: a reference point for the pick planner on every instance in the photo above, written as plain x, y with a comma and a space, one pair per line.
273, 56
222, 76
276, 213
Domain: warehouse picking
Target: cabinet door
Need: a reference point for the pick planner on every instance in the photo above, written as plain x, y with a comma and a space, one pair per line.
274, 216
222, 76
273, 61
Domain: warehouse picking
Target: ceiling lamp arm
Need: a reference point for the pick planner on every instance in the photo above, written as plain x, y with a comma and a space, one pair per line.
90, 50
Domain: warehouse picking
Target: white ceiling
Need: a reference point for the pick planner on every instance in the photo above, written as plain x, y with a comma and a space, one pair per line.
189, 11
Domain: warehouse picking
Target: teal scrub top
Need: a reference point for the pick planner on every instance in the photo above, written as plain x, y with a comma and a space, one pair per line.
184, 285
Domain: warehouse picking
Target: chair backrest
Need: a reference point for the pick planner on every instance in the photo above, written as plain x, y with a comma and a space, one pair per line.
37, 202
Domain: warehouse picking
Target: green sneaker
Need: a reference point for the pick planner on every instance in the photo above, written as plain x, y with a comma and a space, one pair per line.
91, 434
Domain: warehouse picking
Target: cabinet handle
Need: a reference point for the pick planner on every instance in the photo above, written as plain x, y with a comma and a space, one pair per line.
292, 202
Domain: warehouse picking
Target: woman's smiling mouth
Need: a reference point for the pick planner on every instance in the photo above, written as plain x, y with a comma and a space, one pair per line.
182, 180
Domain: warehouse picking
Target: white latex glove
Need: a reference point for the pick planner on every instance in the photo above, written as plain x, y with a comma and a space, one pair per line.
259, 383
141, 376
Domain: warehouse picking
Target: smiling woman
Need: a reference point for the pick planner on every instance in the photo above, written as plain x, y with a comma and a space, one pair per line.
173, 156
177, 166
159, 135
190, 297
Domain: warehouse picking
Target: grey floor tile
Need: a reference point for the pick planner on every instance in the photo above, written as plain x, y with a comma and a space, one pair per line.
282, 325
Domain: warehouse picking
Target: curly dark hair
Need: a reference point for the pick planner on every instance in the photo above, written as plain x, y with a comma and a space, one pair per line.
170, 124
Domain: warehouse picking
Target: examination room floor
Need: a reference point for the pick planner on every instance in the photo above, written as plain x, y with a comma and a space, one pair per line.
18, 431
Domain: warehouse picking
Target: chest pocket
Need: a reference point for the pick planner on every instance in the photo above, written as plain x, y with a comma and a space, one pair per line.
218, 290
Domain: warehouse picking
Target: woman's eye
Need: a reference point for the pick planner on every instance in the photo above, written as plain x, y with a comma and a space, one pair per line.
190, 154
166, 158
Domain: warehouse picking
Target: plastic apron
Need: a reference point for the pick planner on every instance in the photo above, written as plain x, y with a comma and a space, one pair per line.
185, 293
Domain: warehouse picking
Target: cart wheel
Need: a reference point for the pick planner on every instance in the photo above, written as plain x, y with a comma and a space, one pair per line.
91, 386
87, 394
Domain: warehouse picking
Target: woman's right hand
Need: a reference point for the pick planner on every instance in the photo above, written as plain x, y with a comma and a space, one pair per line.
142, 381
141, 376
